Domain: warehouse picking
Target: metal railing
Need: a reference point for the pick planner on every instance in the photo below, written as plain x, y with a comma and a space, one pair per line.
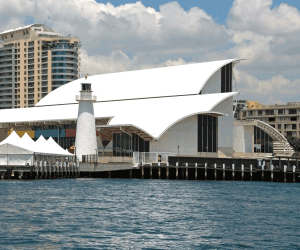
151, 157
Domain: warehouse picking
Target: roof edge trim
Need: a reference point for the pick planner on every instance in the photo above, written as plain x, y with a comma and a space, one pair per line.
230, 61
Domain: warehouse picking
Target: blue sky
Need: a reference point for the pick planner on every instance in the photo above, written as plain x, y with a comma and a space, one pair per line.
131, 37
218, 9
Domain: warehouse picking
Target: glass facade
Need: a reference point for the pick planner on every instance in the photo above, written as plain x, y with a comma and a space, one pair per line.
125, 145
263, 143
226, 78
207, 133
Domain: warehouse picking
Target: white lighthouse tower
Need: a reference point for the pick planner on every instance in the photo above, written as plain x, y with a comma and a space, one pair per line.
86, 141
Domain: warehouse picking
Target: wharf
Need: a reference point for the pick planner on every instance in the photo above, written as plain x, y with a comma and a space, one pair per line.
195, 172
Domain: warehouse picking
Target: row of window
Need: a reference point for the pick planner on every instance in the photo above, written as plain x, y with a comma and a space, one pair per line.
270, 112
286, 126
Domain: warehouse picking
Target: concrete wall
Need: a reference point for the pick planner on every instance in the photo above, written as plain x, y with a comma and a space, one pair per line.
225, 126
213, 85
183, 134
243, 139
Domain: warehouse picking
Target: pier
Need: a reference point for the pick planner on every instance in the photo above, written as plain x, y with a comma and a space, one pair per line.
43, 167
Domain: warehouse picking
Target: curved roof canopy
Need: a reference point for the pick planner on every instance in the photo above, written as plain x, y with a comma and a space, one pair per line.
153, 115
168, 81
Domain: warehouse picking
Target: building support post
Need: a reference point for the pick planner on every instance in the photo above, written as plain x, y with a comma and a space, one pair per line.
243, 171
272, 173
294, 170
187, 171
143, 173
284, 170
223, 172
205, 166
262, 172
159, 172
251, 170
215, 167
196, 172
233, 172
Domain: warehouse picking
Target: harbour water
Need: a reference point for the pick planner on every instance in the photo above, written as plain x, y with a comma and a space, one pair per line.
148, 214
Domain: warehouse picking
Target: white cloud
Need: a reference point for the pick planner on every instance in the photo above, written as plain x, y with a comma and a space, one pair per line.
133, 36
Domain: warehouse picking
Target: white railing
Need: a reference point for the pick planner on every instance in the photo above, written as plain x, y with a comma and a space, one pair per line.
151, 157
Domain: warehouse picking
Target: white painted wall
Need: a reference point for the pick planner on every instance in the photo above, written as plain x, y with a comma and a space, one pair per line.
248, 135
225, 126
243, 139
213, 85
182, 134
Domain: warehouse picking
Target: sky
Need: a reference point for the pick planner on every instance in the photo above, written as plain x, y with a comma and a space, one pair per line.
122, 36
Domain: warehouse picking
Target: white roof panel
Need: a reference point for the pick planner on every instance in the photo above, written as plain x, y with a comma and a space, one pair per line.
153, 115
168, 81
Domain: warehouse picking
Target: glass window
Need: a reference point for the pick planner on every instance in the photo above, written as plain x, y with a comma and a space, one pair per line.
294, 118
226, 78
279, 126
207, 133
269, 112
259, 112
292, 111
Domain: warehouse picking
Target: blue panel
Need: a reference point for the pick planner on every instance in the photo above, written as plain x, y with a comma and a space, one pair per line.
50, 132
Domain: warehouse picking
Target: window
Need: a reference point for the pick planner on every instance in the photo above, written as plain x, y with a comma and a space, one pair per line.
250, 113
263, 143
244, 114
259, 112
226, 78
269, 112
207, 133
272, 119
294, 126
25, 44
292, 111
280, 111
294, 118
272, 125
279, 126
287, 126
290, 133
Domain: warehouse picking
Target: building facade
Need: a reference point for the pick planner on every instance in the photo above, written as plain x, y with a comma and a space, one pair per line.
35, 60
284, 118
182, 110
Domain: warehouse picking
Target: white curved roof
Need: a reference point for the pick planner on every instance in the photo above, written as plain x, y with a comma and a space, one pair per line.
153, 115
168, 81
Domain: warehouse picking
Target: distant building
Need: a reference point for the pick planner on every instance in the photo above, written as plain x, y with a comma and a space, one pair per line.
285, 118
238, 105
34, 60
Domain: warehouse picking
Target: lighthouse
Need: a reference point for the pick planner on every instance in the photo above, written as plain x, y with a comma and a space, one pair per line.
86, 141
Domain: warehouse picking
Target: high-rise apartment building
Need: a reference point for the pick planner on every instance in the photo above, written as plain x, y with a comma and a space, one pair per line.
285, 118
34, 60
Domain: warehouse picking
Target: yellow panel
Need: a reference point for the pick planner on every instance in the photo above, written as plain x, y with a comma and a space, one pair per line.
21, 133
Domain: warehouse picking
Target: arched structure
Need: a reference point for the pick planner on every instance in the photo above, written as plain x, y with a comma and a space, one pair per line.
244, 129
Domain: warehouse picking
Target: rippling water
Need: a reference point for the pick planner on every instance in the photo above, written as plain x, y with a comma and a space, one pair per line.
148, 214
